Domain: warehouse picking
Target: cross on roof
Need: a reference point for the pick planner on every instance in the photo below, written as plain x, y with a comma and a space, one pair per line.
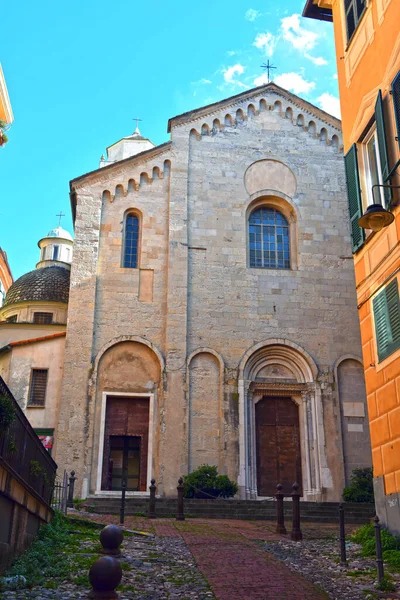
268, 67
60, 215
137, 123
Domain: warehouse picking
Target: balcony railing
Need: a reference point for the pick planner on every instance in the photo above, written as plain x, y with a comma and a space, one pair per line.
22, 453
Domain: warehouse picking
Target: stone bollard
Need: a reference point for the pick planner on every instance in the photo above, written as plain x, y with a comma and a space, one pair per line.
378, 546
296, 534
280, 519
180, 515
343, 559
111, 537
72, 479
104, 575
152, 504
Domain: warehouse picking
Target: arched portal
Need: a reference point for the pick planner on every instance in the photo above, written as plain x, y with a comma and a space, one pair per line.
280, 421
127, 384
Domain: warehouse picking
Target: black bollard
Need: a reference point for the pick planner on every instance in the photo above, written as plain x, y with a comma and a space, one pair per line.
72, 479
104, 575
122, 509
152, 504
111, 538
280, 519
343, 559
179, 515
296, 534
378, 546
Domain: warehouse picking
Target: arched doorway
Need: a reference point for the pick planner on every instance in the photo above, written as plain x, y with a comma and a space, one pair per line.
281, 424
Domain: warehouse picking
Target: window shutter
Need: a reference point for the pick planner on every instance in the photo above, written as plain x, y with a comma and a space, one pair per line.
354, 198
387, 320
396, 103
383, 155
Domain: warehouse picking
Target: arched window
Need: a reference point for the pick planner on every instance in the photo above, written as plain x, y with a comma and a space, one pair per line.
269, 239
131, 241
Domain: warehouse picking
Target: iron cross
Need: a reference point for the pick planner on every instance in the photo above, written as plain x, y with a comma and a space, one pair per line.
268, 67
137, 121
60, 215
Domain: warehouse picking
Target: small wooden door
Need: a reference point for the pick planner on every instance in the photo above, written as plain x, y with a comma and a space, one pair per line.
277, 445
124, 461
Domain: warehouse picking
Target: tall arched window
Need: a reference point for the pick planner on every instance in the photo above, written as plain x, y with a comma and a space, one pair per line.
131, 241
269, 239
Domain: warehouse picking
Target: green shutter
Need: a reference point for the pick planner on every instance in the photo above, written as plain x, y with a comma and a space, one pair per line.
396, 103
354, 198
387, 320
383, 155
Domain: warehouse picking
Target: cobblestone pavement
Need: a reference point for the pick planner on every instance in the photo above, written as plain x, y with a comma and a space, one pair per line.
201, 559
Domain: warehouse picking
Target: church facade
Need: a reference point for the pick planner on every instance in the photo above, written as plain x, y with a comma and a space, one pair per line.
212, 314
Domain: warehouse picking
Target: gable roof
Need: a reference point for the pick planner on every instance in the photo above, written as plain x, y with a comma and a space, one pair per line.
248, 95
44, 338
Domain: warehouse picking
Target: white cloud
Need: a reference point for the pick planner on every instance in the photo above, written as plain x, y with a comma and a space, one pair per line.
335, 76
231, 52
294, 82
230, 72
329, 104
261, 80
300, 38
252, 15
317, 60
266, 42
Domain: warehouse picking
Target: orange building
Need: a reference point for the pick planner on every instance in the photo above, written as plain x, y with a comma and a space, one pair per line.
6, 278
6, 114
367, 39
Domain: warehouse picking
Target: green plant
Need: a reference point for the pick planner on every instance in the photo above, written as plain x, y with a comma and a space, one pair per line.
7, 412
361, 486
205, 482
77, 502
386, 585
12, 447
365, 536
392, 558
3, 137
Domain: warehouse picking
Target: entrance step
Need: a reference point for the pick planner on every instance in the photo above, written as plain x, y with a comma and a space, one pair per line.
323, 512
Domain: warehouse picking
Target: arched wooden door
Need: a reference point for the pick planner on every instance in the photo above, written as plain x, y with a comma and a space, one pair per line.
277, 445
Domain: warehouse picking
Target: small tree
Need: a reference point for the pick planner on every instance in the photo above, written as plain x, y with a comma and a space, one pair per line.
206, 483
361, 487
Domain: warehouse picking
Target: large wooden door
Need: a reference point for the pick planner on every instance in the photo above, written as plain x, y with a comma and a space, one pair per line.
277, 445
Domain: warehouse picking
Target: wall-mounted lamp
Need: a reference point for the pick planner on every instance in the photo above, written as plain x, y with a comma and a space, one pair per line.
376, 218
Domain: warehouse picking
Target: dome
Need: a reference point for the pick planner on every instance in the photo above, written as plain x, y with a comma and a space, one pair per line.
49, 284
59, 232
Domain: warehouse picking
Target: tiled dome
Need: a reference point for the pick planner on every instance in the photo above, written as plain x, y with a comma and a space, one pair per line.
49, 283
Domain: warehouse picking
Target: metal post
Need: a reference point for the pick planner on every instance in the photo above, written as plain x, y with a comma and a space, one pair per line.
280, 519
122, 509
378, 545
343, 559
152, 505
296, 534
64, 493
180, 515
72, 479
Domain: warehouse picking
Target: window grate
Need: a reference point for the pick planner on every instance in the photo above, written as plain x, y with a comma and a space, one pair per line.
269, 239
43, 318
37, 391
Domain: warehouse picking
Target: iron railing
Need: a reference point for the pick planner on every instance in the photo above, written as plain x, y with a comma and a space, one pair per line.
60, 493
23, 455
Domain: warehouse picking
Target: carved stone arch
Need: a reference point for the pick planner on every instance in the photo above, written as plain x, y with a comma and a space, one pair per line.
335, 142
251, 110
306, 367
205, 130
279, 372
119, 191
289, 113
125, 338
278, 106
107, 196
300, 120
323, 135
210, 351
216, 126
166, 169
144, 179
312, 128
270, 174
240, 116
132, 186
228, 121
194, 134
156, 173
263, 105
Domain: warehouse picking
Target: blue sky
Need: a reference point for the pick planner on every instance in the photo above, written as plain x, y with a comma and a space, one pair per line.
78, 72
